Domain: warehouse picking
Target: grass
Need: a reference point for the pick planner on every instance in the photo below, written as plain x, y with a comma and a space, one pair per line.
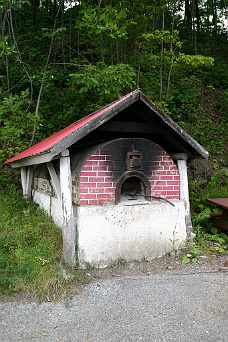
31, 260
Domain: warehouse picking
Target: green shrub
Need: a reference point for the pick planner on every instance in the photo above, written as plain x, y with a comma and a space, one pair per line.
202, 189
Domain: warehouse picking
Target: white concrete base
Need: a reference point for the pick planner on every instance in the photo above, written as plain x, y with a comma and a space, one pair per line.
108, 234
43, 200
56, 211
51, 205
111, 233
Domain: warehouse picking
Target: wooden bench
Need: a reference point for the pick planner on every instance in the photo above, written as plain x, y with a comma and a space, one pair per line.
215, 214
220, 219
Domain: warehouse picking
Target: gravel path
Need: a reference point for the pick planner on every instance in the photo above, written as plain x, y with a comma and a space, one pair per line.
157, 307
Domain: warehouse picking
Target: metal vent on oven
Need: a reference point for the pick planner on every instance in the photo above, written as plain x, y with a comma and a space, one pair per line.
134, 160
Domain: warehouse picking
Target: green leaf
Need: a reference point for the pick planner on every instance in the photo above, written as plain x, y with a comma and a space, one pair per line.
214, 230
221, 250
194, 250
185, 260
224, 236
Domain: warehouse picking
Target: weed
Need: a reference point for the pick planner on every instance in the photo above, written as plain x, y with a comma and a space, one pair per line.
206, 243
192, 254
174, 241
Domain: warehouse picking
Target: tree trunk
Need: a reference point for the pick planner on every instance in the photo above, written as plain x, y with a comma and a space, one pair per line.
194, 37
188, 17
215, 19
34, 5
161, 60
187, 10
197, 15
171, 51
44, 74
62, 35
101, 35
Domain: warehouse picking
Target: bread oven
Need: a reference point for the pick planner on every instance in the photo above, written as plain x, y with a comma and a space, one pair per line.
115, 173
124, 186
115, 182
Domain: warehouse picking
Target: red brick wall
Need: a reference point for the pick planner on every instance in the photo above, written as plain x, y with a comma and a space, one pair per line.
97, 180
97, 185
164, 180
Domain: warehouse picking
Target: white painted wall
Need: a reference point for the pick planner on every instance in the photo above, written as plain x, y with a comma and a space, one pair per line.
51, 205
56, 211
110, 233
43, 200
107, 234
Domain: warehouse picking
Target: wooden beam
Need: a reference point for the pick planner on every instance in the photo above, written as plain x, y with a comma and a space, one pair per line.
179, 156
54, 179
43, 158
146, 128
136, 127
68, 224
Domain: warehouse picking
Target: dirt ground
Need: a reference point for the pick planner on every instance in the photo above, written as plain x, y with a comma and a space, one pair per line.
169, 264
166, 264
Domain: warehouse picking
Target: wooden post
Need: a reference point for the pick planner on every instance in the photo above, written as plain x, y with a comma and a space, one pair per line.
26, 181
54, 178
23, 179
184, 194
68, 226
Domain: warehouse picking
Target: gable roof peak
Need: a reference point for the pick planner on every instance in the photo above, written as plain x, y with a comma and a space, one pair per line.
53, 145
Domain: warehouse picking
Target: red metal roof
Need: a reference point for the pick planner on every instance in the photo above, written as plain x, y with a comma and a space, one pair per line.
44, 145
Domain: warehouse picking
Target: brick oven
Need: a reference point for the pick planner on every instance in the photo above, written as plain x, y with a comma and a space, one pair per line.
115, 182
125, 170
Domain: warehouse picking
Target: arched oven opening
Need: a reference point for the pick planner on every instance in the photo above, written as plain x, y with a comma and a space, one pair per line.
133, 187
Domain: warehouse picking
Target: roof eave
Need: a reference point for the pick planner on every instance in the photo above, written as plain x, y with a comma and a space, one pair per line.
33, 160
200, 151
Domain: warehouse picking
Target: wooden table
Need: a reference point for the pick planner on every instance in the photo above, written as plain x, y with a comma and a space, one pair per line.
221, 219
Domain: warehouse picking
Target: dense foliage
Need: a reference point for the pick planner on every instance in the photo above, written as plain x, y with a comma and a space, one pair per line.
61, 60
